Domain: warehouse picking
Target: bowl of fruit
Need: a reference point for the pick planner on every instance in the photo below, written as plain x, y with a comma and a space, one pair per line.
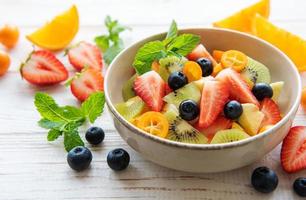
202, 100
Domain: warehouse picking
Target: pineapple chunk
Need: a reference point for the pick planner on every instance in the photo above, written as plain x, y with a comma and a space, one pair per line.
277, 88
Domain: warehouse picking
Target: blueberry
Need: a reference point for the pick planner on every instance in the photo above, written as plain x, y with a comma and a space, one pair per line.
94, 135
262, 90
299, 186
206, 65
264, 180
79, 158
177, 80
118, 159
232, 110
189, 110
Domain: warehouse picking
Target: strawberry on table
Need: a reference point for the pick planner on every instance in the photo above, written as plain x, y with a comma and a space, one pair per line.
85, 55
271, 111
293, 153
238, 88
214, 96
86, 83
43, 68
151, 88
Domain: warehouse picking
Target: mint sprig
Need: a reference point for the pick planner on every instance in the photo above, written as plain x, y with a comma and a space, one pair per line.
173, 44
111, 44
65, 120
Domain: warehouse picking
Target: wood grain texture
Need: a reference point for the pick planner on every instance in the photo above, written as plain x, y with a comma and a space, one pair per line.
32, 168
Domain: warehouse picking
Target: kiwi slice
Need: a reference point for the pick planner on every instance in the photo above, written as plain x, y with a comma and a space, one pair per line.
189, 91
132, 108
180, 130
230, 135
127, 89
172, 63
256, 72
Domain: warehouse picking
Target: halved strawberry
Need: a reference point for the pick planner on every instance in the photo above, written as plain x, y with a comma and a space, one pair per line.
238, 88
293, 153
214, 96
43, 68
221, 123
167, 89
86, 83
271, 111
200, 52
85, 55
151, 88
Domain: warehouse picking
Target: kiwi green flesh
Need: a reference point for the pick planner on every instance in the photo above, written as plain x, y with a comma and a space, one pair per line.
227, 136
256, 72
181, 131
189, 91
132, 108
127, 89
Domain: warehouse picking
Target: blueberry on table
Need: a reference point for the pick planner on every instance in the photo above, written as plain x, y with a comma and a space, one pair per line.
94, 135
79, 158
118, 159
264, 180
206, 65
177, 80
262, 90
232, 110
299, 186
189, 110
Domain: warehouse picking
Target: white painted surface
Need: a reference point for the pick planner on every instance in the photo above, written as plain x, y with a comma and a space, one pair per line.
32, 168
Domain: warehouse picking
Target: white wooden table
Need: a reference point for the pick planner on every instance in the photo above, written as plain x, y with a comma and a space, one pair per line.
32, 168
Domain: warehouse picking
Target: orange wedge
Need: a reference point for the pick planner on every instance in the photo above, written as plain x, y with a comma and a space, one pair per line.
58, 33
242, 20
290, 44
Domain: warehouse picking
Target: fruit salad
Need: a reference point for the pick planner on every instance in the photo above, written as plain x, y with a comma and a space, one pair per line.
200, 98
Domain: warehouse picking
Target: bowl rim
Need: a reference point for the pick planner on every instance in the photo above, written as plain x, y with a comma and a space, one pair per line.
164, 141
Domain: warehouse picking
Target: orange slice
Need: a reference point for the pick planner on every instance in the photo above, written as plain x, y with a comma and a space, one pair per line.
58, 33
217, 54
234, 59
192, 70
242, 20
290, 44
154, 123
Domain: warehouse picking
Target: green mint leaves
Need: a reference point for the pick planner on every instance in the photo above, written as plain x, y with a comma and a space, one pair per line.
66, 120
173, 44
111, 44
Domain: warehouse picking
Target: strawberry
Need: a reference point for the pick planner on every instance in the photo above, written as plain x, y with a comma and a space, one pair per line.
86, 83
167, 89
271, 111
221, 123
239, 89
293, 152
214, 96
85, 54
151, 88
200, 52
43, 68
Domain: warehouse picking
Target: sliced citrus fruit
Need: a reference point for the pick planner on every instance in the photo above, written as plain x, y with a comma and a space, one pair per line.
234, 59
192, 70
242, 20
58, 33
218, 68
217, 54
290, 44
154, 123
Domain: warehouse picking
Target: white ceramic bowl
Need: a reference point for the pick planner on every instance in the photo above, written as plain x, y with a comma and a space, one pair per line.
208, 157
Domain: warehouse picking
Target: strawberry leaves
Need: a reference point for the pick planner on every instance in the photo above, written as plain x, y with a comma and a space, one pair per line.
67, 119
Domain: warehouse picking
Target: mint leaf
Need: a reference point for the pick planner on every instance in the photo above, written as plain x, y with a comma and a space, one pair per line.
112, 52
184, 44
53, 134
47, 124
102, 42
48, 108
72, 139
93, 106
172, 33
147, 54
73, 113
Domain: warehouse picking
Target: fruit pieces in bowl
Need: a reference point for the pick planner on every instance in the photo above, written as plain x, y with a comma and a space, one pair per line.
182, 97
